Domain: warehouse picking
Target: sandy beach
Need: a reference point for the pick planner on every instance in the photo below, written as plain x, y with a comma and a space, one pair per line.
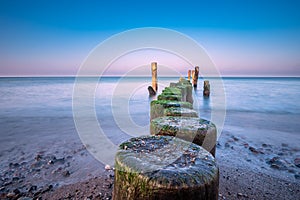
58, 166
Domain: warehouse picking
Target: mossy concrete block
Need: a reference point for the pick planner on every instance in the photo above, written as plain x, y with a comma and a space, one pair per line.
183, 91
183, 81
187, 92
158, 106
180, 112
192, 129
171, 90
163, 167
172, 97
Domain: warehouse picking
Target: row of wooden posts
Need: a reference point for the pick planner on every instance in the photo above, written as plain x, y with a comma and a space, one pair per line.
192, 74
177, 160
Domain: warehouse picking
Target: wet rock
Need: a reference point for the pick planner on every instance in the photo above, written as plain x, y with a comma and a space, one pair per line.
7, 183
277, 163
11, 195
66, 173
246, 145
38, 157
2, 188
15, 178
253, 150
14, 164
68, 196
240, 194
291, 171
50, 162
297, 162
107, 167
227, 145
32, 188
16, 191
264, 145
297, 176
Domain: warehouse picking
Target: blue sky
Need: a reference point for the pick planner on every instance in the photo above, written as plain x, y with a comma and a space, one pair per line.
253, 38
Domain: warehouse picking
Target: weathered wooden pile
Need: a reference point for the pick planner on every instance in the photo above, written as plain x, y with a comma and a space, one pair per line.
173, 163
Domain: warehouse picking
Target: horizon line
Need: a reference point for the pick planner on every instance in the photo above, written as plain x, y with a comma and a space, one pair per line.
136, 76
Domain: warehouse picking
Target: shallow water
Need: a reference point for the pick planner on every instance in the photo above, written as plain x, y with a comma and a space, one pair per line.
117, 98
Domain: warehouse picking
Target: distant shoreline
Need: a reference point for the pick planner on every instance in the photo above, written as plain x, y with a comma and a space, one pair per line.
112, 76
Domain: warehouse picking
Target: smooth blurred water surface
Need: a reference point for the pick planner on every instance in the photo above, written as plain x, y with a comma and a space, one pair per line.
26, 104
53, 96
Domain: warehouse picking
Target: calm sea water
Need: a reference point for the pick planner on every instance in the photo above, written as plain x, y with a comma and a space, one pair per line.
33, 106
53, 96
116, 99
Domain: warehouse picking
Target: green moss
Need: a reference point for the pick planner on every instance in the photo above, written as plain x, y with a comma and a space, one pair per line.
179, 111
171, 90
180, 179
171, 97
188, 128
169, 103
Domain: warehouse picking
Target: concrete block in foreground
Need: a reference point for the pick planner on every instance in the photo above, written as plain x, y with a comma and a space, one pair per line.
163, 167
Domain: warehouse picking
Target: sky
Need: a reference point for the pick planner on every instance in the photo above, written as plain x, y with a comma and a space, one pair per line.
243, 38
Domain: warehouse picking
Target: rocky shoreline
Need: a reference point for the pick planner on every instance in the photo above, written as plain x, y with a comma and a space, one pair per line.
262, 171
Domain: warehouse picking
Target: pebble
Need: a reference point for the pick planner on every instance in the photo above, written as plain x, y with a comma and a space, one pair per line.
50, 162
38, 157
277, 163
239, 194
264, 145
16, 191
32, 188
252, 149
14, 164
107, 167
66, 173
246, 145
297, 162
11, 195
275, 166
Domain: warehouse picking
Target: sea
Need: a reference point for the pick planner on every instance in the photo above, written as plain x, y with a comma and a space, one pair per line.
117, 102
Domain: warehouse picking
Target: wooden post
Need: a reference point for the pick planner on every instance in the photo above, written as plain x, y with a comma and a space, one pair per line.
189, 75
195, 78
206, 88
193, 75
164, 167
154, 76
